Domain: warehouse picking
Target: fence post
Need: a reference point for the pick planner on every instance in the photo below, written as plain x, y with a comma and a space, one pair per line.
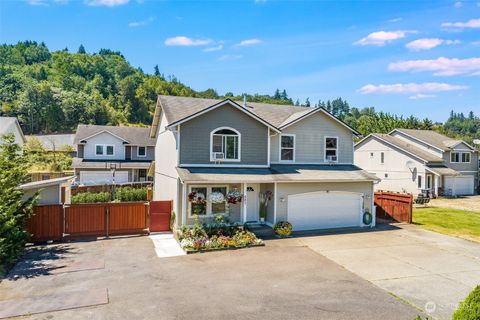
107, 214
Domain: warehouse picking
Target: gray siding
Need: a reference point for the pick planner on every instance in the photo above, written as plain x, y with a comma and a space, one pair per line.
80, 149
107, 139
310, 135
150, 154
48, 195
195, 137
472, 166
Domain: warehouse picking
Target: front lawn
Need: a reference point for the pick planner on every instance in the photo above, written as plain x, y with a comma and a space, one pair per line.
459, 223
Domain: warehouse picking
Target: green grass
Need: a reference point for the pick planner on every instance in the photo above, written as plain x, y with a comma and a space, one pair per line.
459, 223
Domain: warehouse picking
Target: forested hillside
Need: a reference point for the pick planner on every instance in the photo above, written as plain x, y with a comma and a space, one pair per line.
54, 91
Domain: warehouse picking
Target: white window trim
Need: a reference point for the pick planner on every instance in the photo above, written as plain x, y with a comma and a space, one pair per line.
212, 133
460, 153
208, 204
104, 150
280, 147
138, 152
325, 148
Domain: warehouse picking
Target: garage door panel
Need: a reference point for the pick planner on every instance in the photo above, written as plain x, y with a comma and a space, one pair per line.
459, 185
324, 210
102, 177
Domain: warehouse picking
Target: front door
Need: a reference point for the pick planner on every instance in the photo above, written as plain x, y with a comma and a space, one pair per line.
252, 202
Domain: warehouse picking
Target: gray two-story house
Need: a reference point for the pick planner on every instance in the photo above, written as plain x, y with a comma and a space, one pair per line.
413, 161
112, 154
299, 161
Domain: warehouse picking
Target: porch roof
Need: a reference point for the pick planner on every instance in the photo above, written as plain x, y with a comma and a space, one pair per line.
443, 171
79, 163
277, 173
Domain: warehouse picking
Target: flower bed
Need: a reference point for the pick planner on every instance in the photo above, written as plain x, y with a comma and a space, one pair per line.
219, 235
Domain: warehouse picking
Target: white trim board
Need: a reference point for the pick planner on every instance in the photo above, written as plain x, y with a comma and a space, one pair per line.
105, 131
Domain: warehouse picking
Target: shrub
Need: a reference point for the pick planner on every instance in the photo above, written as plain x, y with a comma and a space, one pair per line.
283, 228
14, 210
91, 197
125, 194
469, 309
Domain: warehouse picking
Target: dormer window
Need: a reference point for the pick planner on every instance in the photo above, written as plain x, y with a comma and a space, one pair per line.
225, 144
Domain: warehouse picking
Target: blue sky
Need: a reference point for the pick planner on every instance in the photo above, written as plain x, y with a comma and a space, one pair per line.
403, 57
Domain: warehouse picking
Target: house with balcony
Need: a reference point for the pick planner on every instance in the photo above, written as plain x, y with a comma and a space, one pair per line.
256, 161
420, 161
112, 154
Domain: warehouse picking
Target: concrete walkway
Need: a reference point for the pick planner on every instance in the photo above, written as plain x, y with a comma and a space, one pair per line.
432, 271
166, 246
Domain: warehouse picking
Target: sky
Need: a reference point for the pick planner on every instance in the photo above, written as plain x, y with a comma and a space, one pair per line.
402, 57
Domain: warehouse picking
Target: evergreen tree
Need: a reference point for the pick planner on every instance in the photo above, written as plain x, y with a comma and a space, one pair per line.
157, 71
307, 102
81, 49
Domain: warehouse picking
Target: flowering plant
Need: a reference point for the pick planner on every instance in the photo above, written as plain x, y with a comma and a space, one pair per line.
196, 197
283, 228
234, 197
216, 197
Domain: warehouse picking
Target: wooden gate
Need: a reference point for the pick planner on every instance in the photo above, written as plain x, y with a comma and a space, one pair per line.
394, 206
55, 222
160, 215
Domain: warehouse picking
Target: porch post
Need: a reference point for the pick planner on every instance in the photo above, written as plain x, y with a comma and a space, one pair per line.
244, 203
184, 203
436, 185
274, 203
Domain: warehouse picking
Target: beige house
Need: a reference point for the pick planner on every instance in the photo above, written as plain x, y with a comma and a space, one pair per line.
410, 161
209, 152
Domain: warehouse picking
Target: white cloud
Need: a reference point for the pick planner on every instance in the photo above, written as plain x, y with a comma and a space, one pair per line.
249, 42
458, 4
106, 3
429, 43
395, 20
380, 38
186, 41
260, 1
141, 23
470, 24
419, 96
211, 49
409, 88
230, 57
440, 67
476, 43
37, 2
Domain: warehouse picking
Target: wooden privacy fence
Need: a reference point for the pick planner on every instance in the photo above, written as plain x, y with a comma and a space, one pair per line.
394, 206
57, 222
160, 215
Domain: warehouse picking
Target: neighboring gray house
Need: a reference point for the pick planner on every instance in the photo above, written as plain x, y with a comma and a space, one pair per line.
11, 125
104, 150
56, 142
414, 160
302, 157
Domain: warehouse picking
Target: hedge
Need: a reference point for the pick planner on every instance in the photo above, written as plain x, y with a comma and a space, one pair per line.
469, 309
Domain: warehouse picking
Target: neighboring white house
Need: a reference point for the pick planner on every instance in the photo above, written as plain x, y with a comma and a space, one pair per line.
300, 158
112, 154
410, 161
11, 125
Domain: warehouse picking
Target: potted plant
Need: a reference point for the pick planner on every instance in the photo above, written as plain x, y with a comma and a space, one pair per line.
283, 229
265, 197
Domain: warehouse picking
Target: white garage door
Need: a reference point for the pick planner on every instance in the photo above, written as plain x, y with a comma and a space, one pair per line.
321, 210
102, 177
459, 185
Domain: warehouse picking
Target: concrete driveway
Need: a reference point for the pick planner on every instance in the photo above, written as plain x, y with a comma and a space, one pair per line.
432, 271
283, 280
469, 203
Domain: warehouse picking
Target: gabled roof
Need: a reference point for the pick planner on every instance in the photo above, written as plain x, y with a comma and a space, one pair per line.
403, 145
53, 142
8, 124
178, 109
435, 139
131, 135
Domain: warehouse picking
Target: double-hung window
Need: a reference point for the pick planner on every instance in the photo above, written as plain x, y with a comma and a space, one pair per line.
460, 157
141, 151
225, 145
287, 147
104, 149
331, 149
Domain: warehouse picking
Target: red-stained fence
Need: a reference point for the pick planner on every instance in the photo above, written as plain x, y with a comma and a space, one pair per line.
160, 215
394, 206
